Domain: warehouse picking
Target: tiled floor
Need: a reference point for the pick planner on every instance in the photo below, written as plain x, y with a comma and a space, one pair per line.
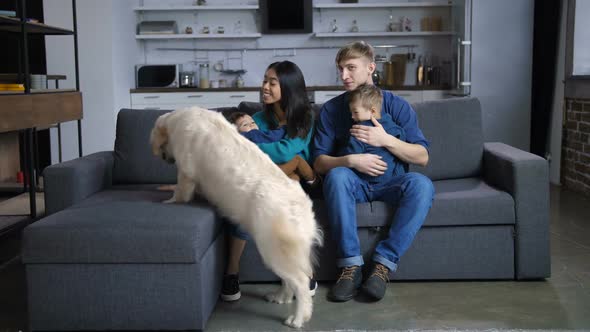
561, 302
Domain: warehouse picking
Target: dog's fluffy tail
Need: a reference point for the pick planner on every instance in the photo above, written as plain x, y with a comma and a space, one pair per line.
295, 250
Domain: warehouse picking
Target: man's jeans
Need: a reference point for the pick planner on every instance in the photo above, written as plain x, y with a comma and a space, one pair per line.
412, 193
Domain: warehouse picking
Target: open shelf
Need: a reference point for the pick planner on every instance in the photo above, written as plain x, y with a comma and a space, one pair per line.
36, 91
21, 111
11, 186
381, 5
11, 24
382, 34
207, 7
199, 36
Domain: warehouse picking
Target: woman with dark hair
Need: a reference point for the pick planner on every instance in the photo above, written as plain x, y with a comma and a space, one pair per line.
285, 104
287, 108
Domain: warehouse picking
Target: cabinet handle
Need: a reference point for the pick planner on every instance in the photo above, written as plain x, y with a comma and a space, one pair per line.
404, 94
194, 96
151, 108
151, 97
237, 96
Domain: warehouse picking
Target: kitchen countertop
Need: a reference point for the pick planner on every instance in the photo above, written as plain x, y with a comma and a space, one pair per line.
257, 88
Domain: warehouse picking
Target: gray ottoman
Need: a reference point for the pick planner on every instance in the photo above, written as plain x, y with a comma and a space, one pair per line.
124, 265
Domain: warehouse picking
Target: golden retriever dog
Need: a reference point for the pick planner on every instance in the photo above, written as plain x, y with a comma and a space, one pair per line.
234, 175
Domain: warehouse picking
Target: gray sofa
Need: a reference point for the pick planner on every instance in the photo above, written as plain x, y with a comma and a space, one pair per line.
109, 255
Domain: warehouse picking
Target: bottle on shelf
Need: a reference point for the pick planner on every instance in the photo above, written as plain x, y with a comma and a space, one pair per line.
354, 27
333, 26
420, 72
428, 70
238, 27
239, 82
204, 76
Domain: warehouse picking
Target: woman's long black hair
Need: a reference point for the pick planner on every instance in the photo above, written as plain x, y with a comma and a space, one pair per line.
294, 101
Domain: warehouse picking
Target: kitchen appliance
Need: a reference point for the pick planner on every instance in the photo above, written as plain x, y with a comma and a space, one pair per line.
187, 79
156, 76
399, 68
462, 44
157, 28
388, 74
376, 76
279, 17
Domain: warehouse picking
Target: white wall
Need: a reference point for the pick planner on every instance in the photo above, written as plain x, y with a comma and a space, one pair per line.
60, 60
501, 61
106, 51
502, 53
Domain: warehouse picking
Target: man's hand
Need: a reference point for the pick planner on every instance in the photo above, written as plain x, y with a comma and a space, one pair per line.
367, 163
375, 136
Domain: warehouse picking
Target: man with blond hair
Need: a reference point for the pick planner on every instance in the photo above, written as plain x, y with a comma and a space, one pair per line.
411, 193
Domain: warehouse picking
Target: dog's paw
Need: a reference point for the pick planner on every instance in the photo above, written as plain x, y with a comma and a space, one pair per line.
279, 297
293, 322
169, 201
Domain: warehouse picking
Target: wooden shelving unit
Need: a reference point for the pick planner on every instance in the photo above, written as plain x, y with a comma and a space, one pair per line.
11, 24
25, 111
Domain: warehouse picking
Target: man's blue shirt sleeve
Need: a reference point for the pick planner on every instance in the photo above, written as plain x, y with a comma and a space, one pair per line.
324, 138
404, 115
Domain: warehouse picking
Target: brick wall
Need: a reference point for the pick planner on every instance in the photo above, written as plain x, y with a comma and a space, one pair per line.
575, 148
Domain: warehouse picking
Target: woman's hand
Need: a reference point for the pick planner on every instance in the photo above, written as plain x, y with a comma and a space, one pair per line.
368, 163
375, 136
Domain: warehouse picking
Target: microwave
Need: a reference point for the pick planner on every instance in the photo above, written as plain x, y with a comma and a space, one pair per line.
156, 76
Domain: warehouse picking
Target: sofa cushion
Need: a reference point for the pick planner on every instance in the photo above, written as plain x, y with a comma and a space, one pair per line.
134, 161
250, 107
122, 231
457, 202
454, 129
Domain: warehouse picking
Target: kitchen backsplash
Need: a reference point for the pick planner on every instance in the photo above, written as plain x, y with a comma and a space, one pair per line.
314, 55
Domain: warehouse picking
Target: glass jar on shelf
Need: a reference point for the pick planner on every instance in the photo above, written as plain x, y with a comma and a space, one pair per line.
204, 76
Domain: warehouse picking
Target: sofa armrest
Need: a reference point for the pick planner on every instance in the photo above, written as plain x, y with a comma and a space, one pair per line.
72, 181
526, 177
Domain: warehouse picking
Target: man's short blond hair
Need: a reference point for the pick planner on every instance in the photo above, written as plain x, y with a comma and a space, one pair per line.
355, 50
368, 95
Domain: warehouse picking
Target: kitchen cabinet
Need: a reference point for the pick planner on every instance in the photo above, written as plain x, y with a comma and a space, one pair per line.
173, 100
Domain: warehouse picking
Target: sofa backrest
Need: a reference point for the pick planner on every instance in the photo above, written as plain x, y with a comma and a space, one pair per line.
134, 162
454, 128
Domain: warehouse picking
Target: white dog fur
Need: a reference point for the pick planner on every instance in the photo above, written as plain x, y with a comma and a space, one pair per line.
233, 174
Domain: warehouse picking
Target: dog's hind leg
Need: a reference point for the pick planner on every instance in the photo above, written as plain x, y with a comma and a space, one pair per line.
282, 295
300, 283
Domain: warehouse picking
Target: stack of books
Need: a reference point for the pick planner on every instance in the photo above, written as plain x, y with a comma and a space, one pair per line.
11, 87
9, 13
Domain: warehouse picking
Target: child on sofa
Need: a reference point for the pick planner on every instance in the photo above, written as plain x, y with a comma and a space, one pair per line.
365, 108
297, 168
